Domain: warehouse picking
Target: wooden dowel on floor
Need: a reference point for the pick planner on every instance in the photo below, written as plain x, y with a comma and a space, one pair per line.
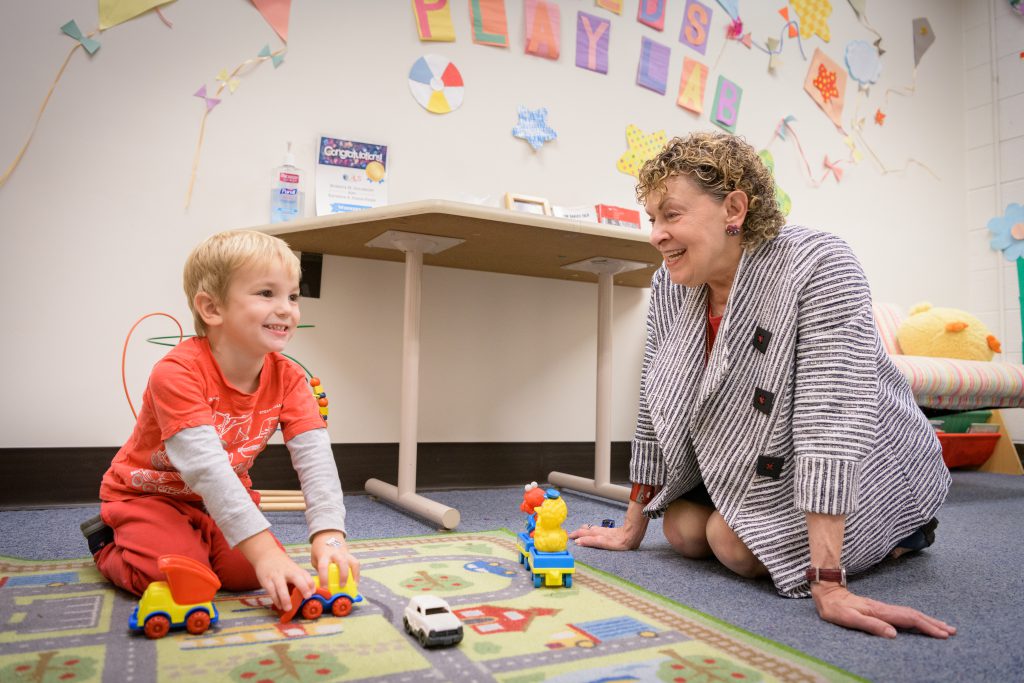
282, 507
278, 492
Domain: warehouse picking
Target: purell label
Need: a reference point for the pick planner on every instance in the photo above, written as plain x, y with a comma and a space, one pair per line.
291, 191
288, 178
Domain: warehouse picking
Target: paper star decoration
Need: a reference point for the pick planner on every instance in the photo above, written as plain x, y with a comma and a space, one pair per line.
641, 148
533, 127
211, 102
814, 16
71, 29
879, 117
826, 83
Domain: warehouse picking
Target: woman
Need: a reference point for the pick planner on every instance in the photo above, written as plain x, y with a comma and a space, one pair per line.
774, 433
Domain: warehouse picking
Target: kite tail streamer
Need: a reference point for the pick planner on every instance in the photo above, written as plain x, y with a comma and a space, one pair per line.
39, 115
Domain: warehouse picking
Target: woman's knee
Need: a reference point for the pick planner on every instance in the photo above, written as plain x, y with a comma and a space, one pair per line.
684, 526
730, 549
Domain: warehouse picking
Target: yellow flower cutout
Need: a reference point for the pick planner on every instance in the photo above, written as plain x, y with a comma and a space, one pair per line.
814, 16
641, 148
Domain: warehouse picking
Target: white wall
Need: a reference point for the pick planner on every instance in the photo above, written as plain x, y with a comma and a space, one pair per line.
994, 110
95, 230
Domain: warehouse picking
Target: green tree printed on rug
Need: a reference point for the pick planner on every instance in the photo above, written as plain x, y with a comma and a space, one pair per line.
477, 548
50, 667
430, 583
703, 669
281, 665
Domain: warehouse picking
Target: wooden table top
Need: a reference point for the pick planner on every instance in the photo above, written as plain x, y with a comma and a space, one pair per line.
496, 240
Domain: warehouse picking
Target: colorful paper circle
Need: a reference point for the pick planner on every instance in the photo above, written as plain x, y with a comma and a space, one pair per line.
436, 84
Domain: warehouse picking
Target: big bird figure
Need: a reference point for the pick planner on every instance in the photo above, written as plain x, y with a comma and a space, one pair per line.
946, 333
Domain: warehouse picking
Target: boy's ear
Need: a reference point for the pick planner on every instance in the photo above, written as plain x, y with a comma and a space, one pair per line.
208, 309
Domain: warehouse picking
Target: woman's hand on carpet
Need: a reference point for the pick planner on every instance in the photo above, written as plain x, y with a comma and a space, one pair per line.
839, 606
590, 536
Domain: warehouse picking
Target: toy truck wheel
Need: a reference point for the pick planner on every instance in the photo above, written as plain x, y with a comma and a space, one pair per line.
198, 622
341, 607
312, 609
405, 623
567, 580
157, 626
538, 579
423, 638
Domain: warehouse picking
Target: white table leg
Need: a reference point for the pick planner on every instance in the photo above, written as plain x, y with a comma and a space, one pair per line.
601, 484
404, 495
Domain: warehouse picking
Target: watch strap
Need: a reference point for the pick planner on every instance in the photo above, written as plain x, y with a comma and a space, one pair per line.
819, 574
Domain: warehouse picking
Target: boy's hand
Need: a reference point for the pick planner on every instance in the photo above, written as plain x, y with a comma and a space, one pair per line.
329, 547
275, 570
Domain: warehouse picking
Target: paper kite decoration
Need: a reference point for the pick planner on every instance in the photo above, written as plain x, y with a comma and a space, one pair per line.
923, 38
533, 127
814, 16
641, 148
436, 84
275, 12
1008, 232
114, 12
826, 84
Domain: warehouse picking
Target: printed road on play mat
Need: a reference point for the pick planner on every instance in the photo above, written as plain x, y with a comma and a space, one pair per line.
61, 622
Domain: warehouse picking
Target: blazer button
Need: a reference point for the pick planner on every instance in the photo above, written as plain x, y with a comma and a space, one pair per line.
763, 400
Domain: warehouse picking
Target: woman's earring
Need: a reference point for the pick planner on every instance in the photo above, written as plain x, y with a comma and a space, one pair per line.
732, 230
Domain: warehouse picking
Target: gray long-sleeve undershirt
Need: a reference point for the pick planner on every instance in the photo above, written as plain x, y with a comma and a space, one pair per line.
198, 455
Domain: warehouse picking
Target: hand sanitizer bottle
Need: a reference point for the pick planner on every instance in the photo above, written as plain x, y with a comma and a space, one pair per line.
287, 197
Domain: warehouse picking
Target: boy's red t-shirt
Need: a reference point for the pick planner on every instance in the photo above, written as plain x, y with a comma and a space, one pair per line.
187, 389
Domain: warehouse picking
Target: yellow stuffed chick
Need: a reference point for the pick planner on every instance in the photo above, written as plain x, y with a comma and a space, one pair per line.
946, 333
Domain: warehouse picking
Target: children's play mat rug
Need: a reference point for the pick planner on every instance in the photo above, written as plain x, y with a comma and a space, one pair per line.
61, 622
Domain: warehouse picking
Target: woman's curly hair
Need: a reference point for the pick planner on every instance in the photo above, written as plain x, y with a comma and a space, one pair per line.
719, 163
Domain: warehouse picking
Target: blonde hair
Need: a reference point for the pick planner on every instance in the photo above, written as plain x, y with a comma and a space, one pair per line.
719, 163
216, 259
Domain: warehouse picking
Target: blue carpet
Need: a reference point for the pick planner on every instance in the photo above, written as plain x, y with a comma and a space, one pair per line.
969, 578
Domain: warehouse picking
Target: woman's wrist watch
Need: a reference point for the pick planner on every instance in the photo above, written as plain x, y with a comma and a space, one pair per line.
819, 574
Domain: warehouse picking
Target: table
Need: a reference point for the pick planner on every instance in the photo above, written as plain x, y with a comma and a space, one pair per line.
467, 236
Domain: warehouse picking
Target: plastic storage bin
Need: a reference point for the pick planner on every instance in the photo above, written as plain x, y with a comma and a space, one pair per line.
957, 423
966, 450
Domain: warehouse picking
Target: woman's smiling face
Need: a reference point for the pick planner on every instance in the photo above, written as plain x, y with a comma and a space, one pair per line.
688, 228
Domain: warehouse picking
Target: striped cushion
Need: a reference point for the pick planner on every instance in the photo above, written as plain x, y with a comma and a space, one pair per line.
951, 383
888, 319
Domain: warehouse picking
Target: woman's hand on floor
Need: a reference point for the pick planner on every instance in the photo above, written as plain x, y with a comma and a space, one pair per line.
627, 537
839, 606
615, 538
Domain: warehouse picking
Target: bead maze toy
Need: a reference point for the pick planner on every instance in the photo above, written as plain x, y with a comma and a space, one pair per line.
542, 547
184, 600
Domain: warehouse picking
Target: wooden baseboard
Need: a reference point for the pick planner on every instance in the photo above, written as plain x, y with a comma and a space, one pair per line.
28, 476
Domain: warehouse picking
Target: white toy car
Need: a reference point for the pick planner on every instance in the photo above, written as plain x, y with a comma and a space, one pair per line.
430, 619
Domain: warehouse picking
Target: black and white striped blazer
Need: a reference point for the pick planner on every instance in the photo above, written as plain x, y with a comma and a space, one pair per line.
798, 409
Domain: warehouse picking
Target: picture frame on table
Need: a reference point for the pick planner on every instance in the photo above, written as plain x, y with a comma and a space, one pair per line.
526, 204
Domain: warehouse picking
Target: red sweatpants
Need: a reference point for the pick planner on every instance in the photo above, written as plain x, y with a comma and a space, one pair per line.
146, 528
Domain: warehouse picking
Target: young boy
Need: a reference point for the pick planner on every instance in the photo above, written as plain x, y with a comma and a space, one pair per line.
180, 485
